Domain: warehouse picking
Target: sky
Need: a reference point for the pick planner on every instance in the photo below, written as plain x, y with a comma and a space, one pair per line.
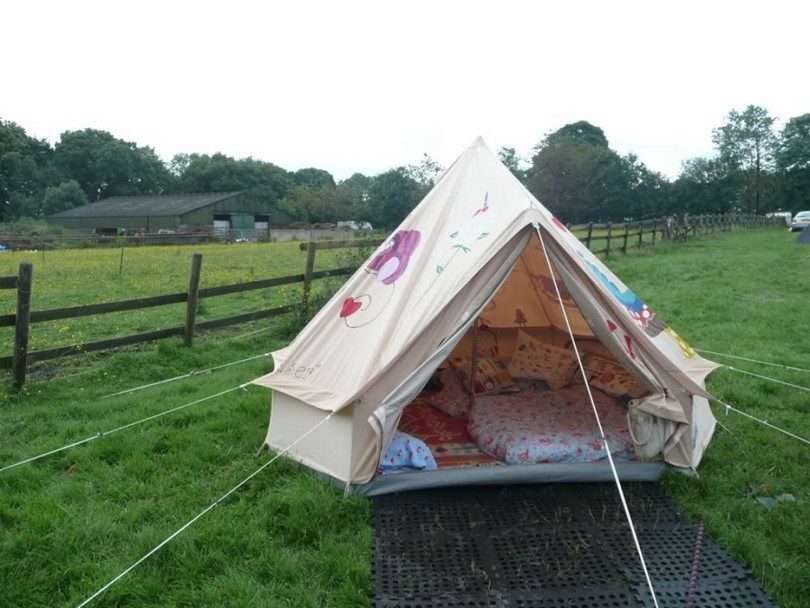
365, 86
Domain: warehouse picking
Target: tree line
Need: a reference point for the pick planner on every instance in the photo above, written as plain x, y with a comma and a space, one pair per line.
572, 170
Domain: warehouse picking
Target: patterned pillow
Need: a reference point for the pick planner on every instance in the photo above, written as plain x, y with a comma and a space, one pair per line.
534, 359
491, 375
452, 399
576, 379
611, 378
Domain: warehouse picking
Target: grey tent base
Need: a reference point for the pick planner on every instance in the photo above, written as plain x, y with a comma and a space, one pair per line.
501, 475
804, 236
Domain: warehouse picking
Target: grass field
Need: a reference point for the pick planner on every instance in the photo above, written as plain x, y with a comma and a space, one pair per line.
73, 521
72, 277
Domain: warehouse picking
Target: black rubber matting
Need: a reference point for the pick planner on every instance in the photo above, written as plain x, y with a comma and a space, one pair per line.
547, 546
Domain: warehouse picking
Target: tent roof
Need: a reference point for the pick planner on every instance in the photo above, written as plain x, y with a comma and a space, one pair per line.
395, 311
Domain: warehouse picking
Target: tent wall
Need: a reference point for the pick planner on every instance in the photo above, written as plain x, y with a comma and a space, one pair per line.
686, 446
327, 449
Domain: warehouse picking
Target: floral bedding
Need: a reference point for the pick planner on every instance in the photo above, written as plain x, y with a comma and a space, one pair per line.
552, 426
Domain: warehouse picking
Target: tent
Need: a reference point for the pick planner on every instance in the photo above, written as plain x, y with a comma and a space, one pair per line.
478, 259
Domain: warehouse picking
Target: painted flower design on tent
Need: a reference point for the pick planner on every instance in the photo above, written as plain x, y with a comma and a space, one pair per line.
387, 266
641, 313
391, 263
687, 350
464, 238
472, 230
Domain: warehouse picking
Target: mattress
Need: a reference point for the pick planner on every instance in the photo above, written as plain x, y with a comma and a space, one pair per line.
551, 426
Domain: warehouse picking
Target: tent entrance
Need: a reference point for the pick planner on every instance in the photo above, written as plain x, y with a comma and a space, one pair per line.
528, 404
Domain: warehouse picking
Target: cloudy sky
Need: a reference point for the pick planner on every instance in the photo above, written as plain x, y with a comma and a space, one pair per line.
365, 86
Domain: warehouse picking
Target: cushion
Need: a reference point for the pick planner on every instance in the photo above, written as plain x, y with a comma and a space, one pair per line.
535, 359
452, 398
491, 375
586, 348
611, 378
407, 453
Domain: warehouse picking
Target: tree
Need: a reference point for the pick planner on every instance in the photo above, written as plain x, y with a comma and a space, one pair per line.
23, 170
317, 178
650, 193
391, 197
706, 185
513, 162
351, 196
747, 142
66, 195
425, 173
581, 132
179, 164
106, 166
793, 162
312, 204
221, 173
576, 175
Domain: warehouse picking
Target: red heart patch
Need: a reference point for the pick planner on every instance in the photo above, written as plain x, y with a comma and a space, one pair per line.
350, 306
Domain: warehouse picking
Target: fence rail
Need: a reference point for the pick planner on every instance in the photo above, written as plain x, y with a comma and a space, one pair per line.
22, 356
616, 236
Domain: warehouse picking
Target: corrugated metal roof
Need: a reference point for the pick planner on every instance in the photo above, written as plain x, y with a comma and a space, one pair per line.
150, 204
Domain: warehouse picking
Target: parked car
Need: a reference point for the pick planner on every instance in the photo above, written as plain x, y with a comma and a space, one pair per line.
800, 221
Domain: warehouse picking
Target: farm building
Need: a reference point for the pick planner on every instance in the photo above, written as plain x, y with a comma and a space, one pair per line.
154, 212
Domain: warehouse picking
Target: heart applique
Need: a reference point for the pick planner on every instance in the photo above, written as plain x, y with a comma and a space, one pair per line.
350, 306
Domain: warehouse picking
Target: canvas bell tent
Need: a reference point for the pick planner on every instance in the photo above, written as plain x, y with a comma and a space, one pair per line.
453, 356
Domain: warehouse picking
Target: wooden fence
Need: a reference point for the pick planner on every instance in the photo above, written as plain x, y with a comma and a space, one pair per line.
617, 237
24, 317
622, 236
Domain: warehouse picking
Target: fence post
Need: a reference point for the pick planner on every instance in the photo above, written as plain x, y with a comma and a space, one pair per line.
654, 227
193, 296
588, 239
610, 230
310, 267
22, 323
626, 234
640, 233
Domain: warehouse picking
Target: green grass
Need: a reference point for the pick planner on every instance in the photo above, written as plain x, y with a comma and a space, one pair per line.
749, 295
71, 522
72, 277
